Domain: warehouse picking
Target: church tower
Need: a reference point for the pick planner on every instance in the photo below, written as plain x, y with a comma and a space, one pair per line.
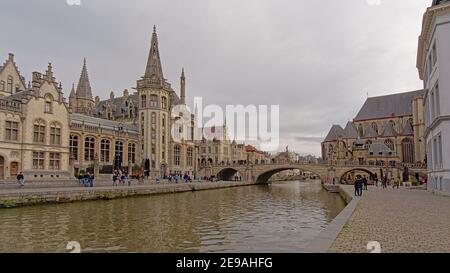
84, 100
155, 102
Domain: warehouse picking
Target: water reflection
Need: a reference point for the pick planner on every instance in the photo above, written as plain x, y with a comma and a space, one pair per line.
275, 218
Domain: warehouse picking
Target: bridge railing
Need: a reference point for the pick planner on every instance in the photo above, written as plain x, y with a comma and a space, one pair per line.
416, 166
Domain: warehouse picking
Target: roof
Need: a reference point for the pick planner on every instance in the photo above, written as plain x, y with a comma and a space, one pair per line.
395, 105
350, 130
336, 131
370, 132
389, 130
438, 2
379, 147
104, 123
408, 129
154, 68
84, 90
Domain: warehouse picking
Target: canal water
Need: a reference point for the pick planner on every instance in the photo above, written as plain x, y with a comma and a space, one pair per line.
282, 217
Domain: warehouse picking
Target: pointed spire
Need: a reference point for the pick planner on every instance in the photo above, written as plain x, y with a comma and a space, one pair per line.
84, 90
72, 92
182, 88
154, 69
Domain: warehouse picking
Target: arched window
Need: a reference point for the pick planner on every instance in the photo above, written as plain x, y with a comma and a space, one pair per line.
408, 150
360, 131
143, 101
10, 84
2, 86
48, 104
189, 156
390, 144
375, 127
164, 103
55, 134
177, 155
153, 101
119, 149
368, 143
105, 147
132, 152
89, 148
39, 131
74, 147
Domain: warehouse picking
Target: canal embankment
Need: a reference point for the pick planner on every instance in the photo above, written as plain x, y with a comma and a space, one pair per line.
10, 198
323, 242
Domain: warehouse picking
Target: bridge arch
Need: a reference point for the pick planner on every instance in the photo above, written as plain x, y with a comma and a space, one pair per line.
263, 178
344, 176
228, 174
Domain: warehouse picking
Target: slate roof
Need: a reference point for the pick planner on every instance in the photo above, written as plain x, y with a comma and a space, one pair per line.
336, 131
389, 131
350, 131
118, 106
388, 106
369, 132
408, 130
379, 147
104, 123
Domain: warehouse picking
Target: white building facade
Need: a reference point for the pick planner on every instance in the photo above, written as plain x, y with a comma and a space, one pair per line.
433, 63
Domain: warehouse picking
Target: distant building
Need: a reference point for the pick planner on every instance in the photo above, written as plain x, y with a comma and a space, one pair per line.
433, 63
387, 130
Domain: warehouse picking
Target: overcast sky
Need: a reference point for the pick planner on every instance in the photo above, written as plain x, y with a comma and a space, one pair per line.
318, 60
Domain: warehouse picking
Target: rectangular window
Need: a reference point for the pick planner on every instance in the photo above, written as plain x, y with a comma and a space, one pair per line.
440, 151
38, 160
55, 160
48, 107
39, 133
435, 153
430, 155
434, 53
55, 135
12, 130
432, 106
436, 97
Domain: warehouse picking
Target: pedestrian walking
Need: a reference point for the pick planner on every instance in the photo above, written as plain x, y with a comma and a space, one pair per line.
364, 183
114, 178
21, 179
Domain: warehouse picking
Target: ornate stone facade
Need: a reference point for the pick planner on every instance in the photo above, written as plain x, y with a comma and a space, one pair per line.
387, 130
46, 137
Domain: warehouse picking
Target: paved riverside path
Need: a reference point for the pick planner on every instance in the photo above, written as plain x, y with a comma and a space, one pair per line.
401, 220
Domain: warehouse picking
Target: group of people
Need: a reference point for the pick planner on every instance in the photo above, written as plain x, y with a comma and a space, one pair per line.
360, 185
87, 180
120, 178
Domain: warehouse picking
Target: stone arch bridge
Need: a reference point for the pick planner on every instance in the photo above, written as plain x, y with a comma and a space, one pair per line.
261, 173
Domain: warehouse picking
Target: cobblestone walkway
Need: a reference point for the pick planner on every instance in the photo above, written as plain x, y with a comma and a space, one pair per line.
400, 220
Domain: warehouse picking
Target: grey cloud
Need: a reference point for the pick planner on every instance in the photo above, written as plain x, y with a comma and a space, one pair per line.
316, 59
